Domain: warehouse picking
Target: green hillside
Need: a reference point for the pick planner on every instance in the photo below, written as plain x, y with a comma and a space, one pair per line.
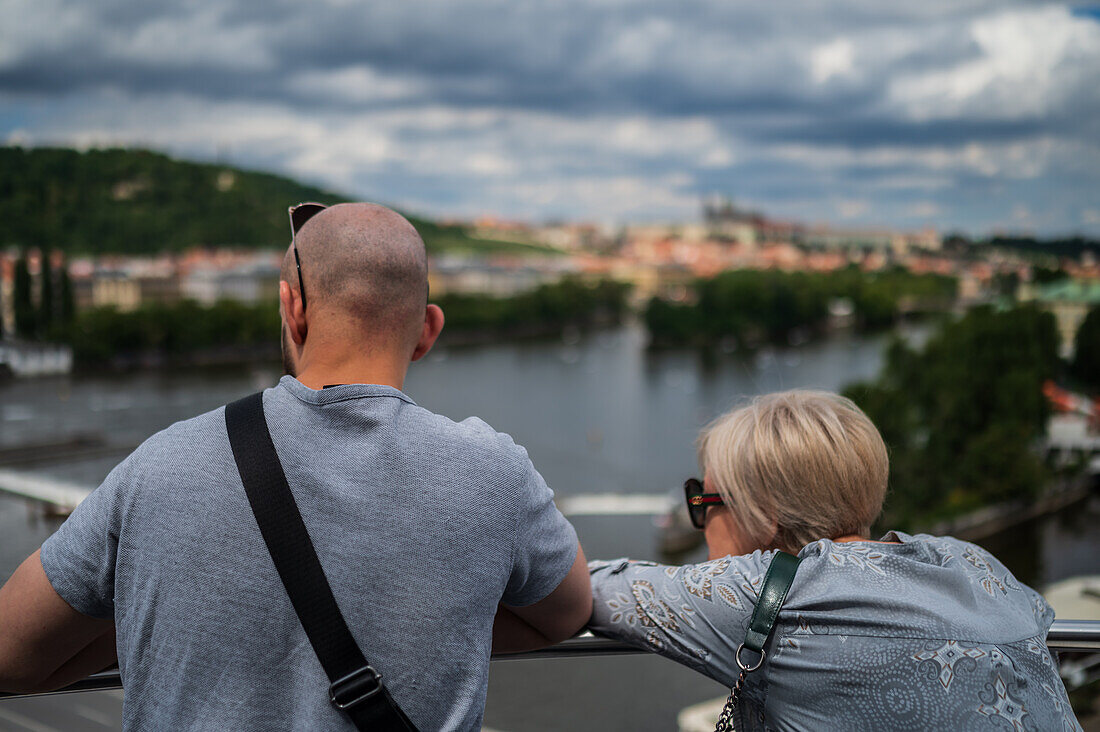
139, 202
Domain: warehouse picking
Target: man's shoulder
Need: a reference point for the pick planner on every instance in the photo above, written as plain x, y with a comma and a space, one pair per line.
473, 439
202, 436
474, 429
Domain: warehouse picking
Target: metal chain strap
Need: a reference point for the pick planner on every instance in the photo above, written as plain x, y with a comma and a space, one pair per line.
771, 597
725, 719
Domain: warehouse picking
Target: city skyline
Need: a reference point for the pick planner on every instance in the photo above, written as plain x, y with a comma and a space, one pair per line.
974, 116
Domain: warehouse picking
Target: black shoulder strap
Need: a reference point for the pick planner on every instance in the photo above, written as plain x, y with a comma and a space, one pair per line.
356, 688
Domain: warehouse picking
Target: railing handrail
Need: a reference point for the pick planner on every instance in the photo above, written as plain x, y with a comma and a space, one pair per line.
1064, 635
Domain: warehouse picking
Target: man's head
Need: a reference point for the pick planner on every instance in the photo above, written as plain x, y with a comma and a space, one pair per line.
365, 273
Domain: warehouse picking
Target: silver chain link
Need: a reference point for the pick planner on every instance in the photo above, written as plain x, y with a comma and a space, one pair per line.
725, 719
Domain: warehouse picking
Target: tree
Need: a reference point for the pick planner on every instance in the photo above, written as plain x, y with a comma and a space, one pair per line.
1006, 283
1045, 275
752, 306
66, 306
47, 308
962, 415
1086, 358
22, 304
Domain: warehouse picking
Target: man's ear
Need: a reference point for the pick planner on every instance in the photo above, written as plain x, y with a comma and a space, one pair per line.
433, 325
293, 312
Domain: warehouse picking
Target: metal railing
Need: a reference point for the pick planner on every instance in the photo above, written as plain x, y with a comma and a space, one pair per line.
1064, 635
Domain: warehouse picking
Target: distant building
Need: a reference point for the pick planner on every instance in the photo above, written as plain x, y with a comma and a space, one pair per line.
7, 276
20, 358
725, 219
114, 289
575, 237
124, 283
164, 289
248, 282
719, 210
971, 289
669, 281
497, 276
1069, 301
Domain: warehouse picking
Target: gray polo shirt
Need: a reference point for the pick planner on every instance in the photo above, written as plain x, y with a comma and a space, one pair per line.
422, 525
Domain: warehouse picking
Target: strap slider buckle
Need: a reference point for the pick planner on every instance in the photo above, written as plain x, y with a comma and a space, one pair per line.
356, 687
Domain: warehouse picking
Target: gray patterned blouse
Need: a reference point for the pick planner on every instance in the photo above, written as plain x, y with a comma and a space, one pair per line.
931, 633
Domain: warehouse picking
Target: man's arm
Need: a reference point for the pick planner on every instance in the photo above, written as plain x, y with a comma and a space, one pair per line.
558, 616
44, 643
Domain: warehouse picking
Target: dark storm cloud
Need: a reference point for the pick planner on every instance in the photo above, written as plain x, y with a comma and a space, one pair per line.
691, 57
794, 97
678, 59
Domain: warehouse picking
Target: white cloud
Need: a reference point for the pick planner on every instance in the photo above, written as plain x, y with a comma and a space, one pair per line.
358, 84
914, 181
1016, 160
852, 208
203, 37
923, 210
1027, 62
836, 58
39, 25
606, 199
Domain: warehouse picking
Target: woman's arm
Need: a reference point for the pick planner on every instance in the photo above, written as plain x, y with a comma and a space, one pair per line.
691, 614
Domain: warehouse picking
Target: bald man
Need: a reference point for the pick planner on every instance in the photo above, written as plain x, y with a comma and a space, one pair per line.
439, 539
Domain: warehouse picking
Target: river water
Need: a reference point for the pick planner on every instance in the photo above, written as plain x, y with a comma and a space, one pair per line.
597, 413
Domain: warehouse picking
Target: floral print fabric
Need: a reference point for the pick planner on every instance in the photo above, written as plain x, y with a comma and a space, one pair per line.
928, 633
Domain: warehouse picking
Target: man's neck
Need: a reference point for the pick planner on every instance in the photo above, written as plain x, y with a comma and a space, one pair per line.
316, 373
317, 378
338, 352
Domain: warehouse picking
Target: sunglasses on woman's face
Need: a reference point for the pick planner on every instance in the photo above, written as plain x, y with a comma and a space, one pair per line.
697, 501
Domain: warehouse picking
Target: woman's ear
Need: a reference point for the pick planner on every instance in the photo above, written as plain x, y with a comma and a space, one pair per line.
776, 541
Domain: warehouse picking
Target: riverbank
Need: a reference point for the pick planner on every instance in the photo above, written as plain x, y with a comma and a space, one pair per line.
268, 355
984, 522
227, 332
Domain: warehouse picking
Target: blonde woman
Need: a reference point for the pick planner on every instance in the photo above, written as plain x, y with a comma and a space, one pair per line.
908, 632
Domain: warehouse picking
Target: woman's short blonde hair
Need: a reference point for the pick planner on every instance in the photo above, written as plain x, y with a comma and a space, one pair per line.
797, 466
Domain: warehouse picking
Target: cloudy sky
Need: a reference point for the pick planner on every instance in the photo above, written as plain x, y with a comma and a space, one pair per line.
972, 114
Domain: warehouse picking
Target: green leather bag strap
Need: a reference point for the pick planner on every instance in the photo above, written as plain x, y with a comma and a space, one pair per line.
777, 582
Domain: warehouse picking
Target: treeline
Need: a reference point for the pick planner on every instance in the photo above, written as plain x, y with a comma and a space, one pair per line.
141, 202
545, 310
182, 332
186, 332
1070, 247
1086, 351
42, 306
138, 202
962, 416
749, 307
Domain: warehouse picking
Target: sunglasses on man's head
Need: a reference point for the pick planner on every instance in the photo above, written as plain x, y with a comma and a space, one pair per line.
299, 215
697, 501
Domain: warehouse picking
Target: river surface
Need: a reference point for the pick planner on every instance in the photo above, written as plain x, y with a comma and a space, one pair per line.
597, 414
